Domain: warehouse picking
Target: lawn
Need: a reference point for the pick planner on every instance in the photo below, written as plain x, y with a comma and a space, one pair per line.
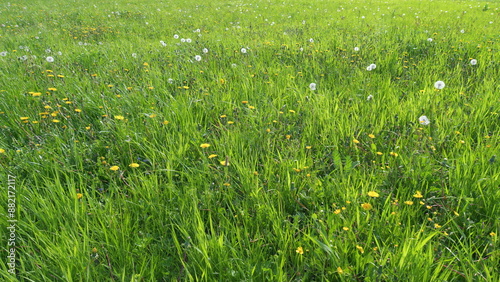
299, 140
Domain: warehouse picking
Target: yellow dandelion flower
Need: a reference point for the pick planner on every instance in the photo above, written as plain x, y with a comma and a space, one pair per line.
339, 270
56, 120
366, 206
337, 211
224, 163
299, 250
409, 203
437, 225
119, 117
380, 153
24, 118
244, 102
52, 89
493, 234
360, 249
79, 195
165, 122
371, 136
78, 110
2, 151
345, 228
418, 194
373, 194
308, 147
212, 156
355, 141
133, 165
114, 168
205, 145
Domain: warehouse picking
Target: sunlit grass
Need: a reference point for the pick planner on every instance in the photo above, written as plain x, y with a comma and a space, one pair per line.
266, 141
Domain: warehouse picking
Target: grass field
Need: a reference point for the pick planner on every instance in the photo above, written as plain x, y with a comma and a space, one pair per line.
250, 140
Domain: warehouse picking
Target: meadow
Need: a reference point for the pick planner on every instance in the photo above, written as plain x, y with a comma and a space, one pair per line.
294, 140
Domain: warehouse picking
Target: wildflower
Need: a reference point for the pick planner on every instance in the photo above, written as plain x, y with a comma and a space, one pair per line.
360, 249
429, 39
205, 145
339, 270
373, 66
299, 250
133, 165
243, 50
2, 151
24, 118
52, 89
424, 120
439, 84
197, 57
369, 68
312, 86
371, 136
212, 156
205, 50
337, 211
437, 225
3, 54
311, 40
493, 234
188, 40
356, 49
418, 195
170, 80
366, 206
355, 141
119, 117
345, 228
409, 203
473, 62
176, 36
49, 59
224, 163
370, 97
380, 153
79, 195
114, 168
373, 194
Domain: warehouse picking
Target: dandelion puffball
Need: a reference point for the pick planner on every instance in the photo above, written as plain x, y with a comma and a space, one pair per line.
424, 120
50, 59
197, 57
473, 62
312, 86
439, 84
356, 49
243, 50
205, 50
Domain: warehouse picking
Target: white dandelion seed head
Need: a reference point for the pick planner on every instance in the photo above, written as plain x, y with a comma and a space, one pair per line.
473, 62
170, 80
424, 120
369, 68
439, 84
48, 50
311, 40
301, 49
243, 50
233, 65
370, 97
59, 53
197, 57
462, 31
134, 55
49, 59
183, 40
312, 86
80, 43
429, 39
3, 54
176, 36
373, 66
356, 49
163, 43
188, 40
23, 58
205, 50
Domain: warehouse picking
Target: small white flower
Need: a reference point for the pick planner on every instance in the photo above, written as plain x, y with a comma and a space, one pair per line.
424, 120
373, 66
301, 49
48, 50
243, 50
170, 80
369, 68
197, 57
134, 55
356, 49
183, 40
3, 54
205, 50
176, 36
462, 31
370, 97
439, 84
429, 39
473, 62
311, 40
312, 86
49, 59
163, 43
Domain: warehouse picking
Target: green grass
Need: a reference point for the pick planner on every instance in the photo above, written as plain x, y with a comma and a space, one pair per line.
281, 193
